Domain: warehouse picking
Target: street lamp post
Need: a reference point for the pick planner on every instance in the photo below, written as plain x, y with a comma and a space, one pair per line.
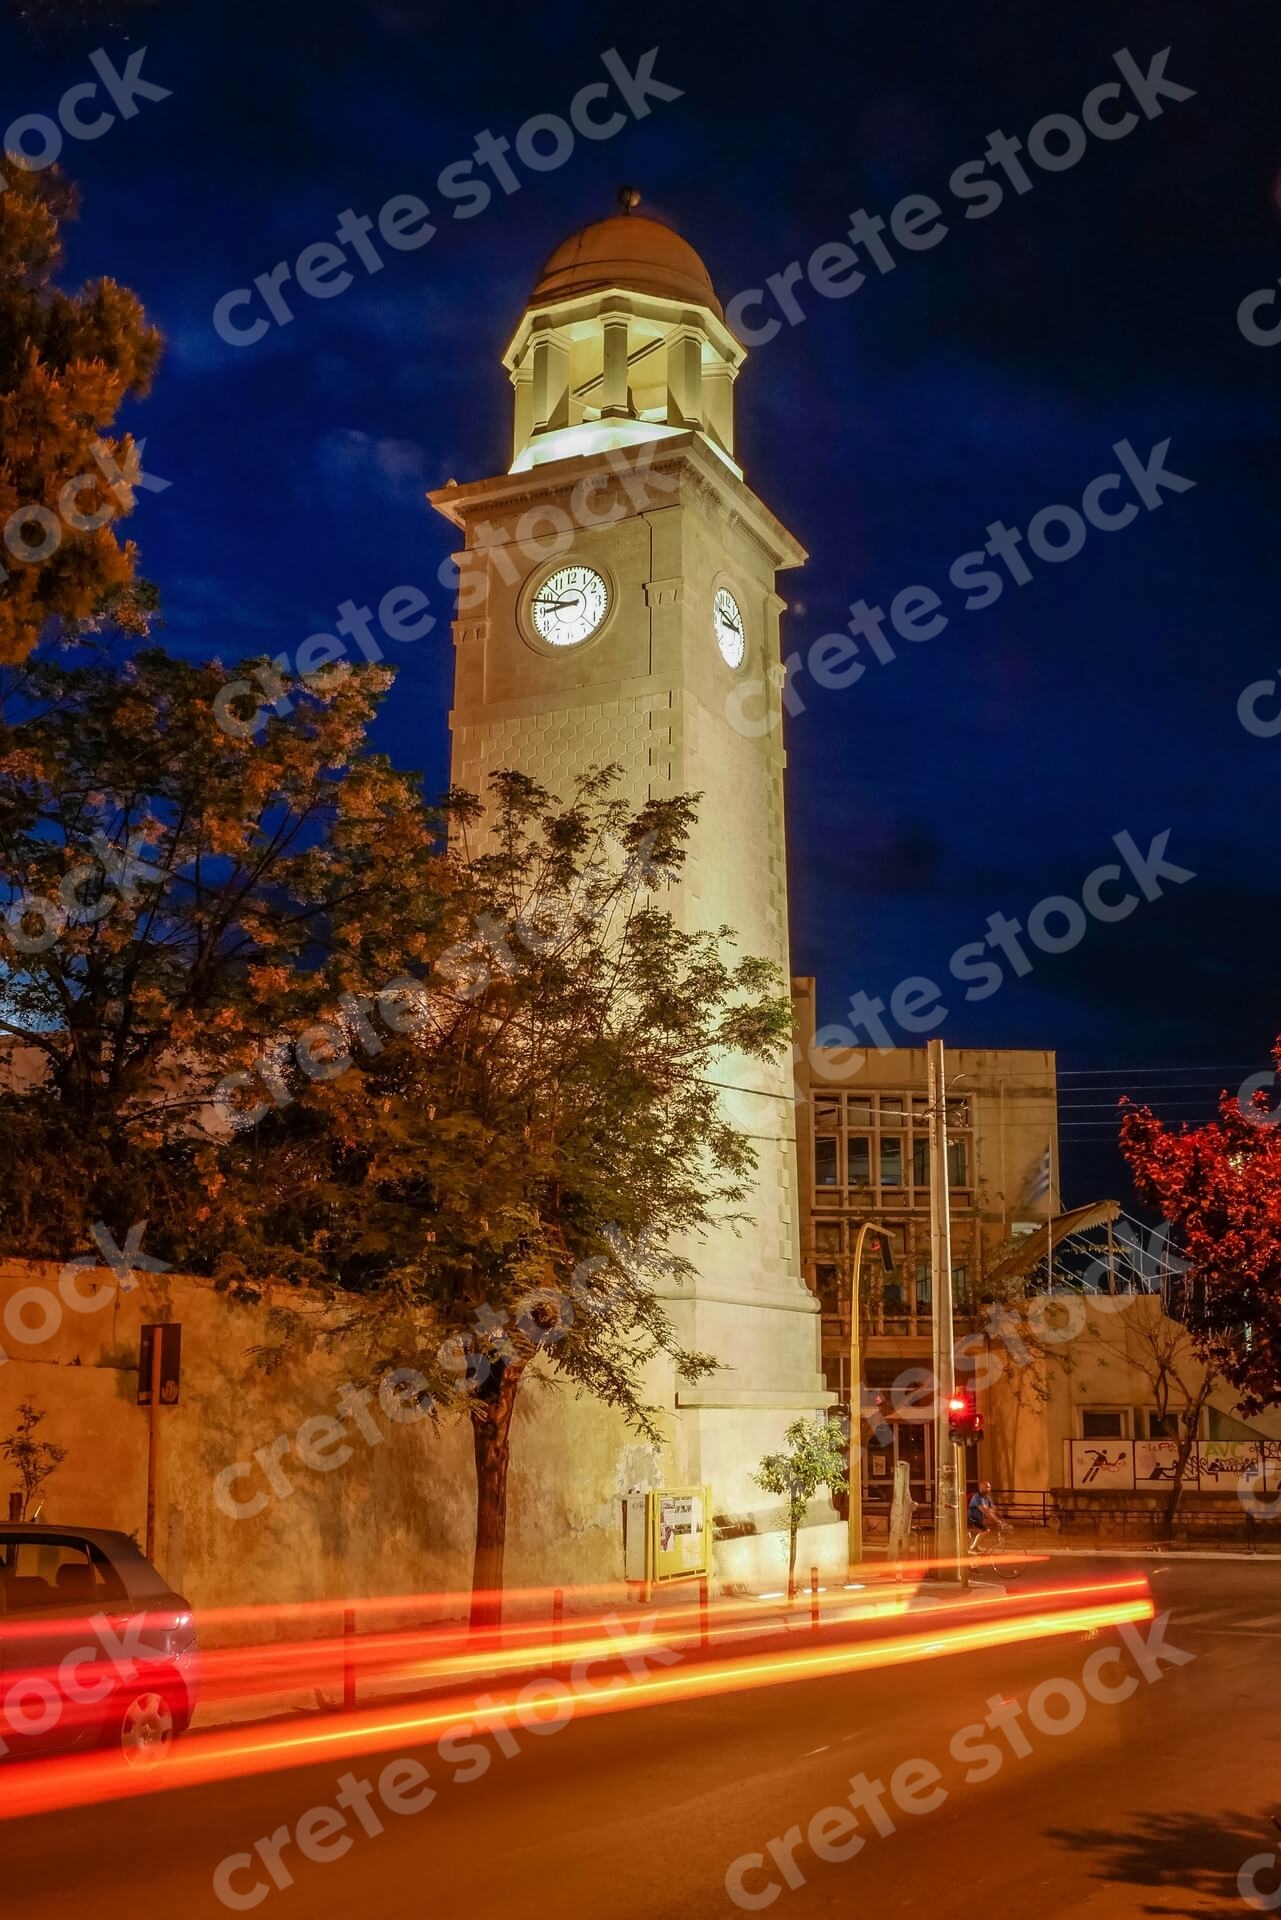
854, 1549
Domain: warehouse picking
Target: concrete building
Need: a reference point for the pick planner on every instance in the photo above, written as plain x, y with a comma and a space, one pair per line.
864, 1155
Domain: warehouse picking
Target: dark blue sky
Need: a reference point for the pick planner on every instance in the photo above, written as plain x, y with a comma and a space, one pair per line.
983, 380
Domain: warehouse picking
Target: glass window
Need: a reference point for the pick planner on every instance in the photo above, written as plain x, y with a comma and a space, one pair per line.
825, 1116
923, 1294
858, 1113
891, 1160
859, 1160
957, 1163
53, 1573
827, 1281
1162, 1426
1102, 1423
827, 1237
825, 1163
960, 1283
891, 1110
920, 1161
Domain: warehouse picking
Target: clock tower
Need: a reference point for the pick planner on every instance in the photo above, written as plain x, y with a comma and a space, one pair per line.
618, 604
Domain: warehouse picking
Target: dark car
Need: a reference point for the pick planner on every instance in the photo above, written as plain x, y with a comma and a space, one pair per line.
96, 1649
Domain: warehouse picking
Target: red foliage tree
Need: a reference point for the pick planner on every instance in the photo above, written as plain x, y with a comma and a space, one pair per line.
1220, 1185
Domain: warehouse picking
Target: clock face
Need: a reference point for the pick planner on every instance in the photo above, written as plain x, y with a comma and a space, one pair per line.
570, 605
728, 622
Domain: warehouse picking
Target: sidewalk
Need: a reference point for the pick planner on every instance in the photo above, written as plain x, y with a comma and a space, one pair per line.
732, 1620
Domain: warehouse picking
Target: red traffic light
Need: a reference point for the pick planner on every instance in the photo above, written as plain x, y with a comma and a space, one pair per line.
964, 1421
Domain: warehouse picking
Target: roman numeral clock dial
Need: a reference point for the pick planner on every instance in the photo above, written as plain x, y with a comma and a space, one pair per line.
570, 605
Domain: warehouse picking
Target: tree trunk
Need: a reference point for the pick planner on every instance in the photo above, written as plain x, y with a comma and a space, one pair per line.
491, 1418
791, 1562
1191, 1420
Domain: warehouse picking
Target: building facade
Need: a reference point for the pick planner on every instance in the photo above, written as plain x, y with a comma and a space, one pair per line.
863, 1151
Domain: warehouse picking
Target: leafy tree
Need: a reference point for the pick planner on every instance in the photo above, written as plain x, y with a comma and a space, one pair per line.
814, 1458
36, 1460
1182, 1382
1220, 1185
512, 1192
68, 362
182, 901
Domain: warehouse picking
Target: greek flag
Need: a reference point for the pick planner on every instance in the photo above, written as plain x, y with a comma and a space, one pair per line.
1042, 1179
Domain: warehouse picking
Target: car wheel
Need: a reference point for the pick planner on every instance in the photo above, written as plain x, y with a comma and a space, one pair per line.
143, 1728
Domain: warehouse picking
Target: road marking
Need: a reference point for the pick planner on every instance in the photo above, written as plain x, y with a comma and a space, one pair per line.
812, 1752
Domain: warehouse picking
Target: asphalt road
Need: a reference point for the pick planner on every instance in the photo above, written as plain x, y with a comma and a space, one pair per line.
1147, 1806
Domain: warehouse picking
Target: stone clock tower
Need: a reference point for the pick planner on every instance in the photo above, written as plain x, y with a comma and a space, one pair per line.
618, 598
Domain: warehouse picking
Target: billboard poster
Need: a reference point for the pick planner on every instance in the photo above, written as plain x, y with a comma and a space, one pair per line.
1107, 1465
1226, 1463
1156, 1460
682, 1544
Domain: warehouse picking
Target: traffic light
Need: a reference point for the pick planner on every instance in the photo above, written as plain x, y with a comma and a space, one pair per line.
964, 1421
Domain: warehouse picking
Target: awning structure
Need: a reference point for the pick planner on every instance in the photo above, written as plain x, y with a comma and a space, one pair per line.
1027, 1256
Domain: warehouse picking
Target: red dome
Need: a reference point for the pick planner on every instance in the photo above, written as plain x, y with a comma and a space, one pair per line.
631, 251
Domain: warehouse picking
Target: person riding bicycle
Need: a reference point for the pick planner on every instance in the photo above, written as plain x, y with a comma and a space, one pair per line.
981, 1512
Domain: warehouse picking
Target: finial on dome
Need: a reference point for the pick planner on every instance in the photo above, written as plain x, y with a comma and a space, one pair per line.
629, 198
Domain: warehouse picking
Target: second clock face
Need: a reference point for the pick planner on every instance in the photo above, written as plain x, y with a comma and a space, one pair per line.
728, 622
570, 605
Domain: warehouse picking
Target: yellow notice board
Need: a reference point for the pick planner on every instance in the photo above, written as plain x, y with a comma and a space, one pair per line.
680, 1523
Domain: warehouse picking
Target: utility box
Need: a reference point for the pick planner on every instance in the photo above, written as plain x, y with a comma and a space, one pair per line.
667, 1536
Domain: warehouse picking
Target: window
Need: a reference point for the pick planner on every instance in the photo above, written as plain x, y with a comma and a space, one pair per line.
1162, 1426
826, 1113
858, 1113
891, 1160
56, 1573
960, 1282
858, 1160
957, 1162
827, 1237
825, 1163
891, 1111
923, 1295
920, 1161
828, 1284
1102, 1423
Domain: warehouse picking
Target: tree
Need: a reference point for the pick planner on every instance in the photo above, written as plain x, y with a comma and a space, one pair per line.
183, 904
1220, 1186
68, 362
35, 1459
815, 1457
1182, 1382
511, 1193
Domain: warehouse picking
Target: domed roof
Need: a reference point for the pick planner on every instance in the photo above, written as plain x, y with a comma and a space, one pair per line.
627, 250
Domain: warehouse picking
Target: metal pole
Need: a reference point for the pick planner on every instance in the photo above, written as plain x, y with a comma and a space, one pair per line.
704, 1625
348, 1659
948, 1540
558, 1615
153, 1440
854, 1525
814, 1598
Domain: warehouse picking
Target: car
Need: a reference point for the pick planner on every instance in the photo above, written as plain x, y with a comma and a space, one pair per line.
96, 1649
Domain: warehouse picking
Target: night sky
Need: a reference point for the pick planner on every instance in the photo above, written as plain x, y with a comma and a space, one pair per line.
982, 380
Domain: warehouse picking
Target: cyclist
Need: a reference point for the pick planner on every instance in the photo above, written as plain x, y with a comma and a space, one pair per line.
981, 1512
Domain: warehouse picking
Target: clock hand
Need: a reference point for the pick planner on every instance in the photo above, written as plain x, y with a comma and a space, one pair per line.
731, 624
569, 602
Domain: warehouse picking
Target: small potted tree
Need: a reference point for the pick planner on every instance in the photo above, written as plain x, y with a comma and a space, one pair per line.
814, 1458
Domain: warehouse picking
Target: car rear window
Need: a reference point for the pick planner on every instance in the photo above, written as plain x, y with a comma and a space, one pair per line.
66, 1573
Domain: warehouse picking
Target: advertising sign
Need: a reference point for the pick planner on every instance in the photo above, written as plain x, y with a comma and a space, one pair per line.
682, 1543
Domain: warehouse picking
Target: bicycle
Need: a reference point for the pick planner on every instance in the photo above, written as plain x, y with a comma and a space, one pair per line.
986, 1543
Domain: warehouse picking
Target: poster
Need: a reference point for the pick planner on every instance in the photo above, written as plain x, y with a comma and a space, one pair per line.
1155, 1462
1226, 1463
1107, 1465
681, 1533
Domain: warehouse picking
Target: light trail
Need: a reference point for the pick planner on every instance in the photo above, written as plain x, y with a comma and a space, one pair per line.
83, 1780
